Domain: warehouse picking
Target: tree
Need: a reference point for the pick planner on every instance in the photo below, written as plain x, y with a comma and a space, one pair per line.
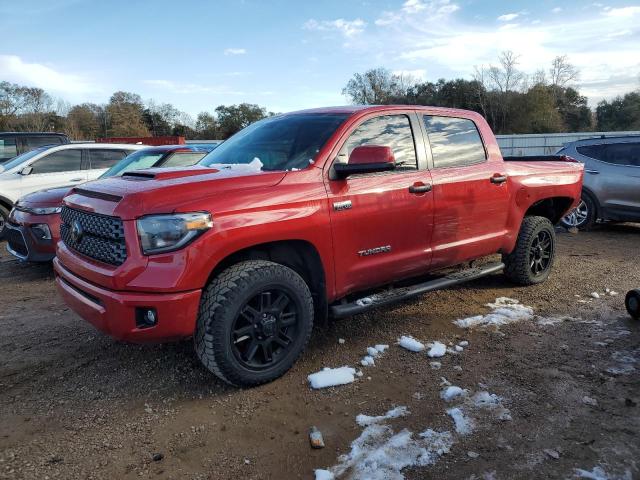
562, 72
621, 113
377, 86
234, 118
206, 126
86, 122
125, 116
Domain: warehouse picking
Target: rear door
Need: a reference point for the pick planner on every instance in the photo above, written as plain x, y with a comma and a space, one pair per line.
470, 192
101, 159
57, 169
616, 175
381, 230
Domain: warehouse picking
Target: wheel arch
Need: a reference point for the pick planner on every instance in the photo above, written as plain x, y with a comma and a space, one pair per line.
552, 208
5, 202
299, 255
595, 200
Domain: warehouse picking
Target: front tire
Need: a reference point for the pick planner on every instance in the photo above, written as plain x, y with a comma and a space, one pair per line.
632, 302
255, 320
531, 260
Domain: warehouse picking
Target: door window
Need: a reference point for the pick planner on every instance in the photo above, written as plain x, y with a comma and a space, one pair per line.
626, 154
62, 161
8, 148
455, 142
101, 159
392, 131
183, 159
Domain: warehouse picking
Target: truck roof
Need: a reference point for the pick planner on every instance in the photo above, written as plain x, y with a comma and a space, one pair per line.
351, 109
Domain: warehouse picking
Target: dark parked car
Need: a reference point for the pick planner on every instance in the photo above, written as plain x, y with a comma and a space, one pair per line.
13, 144
611, 189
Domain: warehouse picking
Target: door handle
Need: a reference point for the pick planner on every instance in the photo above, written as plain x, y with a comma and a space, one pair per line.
498, 179
420, 188
76, 179
592, 172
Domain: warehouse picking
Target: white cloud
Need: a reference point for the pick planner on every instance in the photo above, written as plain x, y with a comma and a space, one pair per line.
431, 9
348, 28
622, 11
235, 51
507, 17
413, 6
556, 10
72, 86
191, 88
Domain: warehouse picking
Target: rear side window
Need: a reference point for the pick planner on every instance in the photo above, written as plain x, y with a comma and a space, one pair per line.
8, 148
183, 159
101, 159
455, 142
627, 154
41, 140
62, 161
392, 131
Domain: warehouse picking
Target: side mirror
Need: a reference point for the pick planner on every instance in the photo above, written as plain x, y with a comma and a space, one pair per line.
26, 170
366, 159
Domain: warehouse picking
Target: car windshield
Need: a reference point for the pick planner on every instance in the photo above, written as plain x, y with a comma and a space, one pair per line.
289, 142
24, 157
136, 161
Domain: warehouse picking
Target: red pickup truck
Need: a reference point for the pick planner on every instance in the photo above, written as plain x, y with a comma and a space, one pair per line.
303, 216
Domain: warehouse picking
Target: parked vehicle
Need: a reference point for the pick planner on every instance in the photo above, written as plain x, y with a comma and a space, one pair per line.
13, 144
55, 166
33, 228
297, 217
611, 189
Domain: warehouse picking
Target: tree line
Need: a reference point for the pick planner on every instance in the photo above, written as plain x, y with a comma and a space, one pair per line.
511, 100
25, 108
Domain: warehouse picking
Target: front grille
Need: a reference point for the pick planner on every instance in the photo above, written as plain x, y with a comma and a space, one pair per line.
16, 242
101, 237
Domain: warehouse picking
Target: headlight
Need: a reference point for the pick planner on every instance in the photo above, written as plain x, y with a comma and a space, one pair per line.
165, 233
39, 211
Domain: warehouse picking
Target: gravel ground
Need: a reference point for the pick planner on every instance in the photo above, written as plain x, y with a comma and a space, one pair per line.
76, 404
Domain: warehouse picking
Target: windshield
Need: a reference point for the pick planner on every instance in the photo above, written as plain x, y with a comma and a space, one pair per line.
24, 157
136, 161
289, 142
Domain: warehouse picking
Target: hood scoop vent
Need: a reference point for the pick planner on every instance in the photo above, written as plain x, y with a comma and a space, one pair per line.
99, 195
166, 173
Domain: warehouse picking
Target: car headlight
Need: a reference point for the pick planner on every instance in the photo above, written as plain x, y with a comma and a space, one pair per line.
46, 210
166, 233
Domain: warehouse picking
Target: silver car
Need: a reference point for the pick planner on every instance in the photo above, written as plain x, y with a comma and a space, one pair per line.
611, 188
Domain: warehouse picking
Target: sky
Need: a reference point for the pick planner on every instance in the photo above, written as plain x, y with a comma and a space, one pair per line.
287, 55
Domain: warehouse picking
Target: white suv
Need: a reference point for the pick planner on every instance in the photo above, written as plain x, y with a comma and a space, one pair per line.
56, 166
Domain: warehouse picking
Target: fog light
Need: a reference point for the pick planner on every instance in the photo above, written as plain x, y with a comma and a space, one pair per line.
146, 317
41, 230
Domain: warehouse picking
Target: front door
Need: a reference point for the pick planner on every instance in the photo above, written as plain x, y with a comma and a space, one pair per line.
58, 169
382, 222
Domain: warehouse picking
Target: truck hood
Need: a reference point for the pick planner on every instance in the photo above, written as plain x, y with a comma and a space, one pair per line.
165, 190
45, 198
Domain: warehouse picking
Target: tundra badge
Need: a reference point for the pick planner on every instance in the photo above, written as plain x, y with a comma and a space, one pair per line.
339, 206
374, 251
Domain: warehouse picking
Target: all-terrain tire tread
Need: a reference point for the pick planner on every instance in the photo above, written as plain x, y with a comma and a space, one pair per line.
220, 294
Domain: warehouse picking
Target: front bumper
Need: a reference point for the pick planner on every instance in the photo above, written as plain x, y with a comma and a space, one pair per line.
22, 243
114, 312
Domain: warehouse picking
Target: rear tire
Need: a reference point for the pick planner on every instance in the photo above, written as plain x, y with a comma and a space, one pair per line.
4, 218
632, 302
255, 320
584, 216
531, 260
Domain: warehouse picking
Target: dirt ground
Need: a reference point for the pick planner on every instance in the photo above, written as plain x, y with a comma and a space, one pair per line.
76, 404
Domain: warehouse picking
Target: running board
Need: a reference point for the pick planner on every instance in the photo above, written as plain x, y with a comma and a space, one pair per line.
405, 293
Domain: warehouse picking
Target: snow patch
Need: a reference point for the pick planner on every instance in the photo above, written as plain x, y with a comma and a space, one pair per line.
366, 420
437, 350
463, 424
598, 473
504, 311
372, 353
330, 377
452, 392
411, 344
